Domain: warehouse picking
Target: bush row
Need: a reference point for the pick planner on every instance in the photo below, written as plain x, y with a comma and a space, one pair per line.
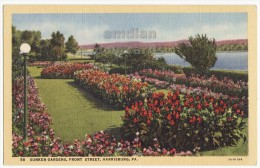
220, 74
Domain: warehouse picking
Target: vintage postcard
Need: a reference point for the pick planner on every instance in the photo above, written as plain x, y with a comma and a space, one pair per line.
130, 85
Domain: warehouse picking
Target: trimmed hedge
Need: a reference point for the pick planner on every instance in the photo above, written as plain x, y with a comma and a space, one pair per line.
221, 74
117, 70
175, 68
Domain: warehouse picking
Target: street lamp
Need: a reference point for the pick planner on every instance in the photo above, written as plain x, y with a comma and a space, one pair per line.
125, 54
24, 50
94, 53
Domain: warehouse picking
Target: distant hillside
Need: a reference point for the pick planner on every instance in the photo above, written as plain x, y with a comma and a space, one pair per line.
137, 44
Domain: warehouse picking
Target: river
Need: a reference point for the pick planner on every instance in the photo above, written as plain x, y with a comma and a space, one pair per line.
226, 60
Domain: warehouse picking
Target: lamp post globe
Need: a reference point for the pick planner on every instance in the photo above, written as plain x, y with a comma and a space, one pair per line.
25, 48
24, 51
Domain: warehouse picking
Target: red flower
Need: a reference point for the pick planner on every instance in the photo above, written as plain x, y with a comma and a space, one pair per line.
185, 103
150, 114
229, 119
135, 120
193, 119
206, 104
174, 97
199, 107
235, 106
169, 117
26, 144
172, 122
21, 153
199, 119
148, 122
177, 116
173, 151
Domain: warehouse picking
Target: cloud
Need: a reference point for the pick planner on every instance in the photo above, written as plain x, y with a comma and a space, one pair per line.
91, 34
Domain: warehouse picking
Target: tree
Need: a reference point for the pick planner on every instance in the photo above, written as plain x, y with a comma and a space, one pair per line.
200, 52
45, 50
57, 47
72, 45
33, 39
16, 57
98, 49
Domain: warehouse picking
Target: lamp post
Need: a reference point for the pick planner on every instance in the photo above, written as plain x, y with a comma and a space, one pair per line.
24, 50
125, 54
94, 53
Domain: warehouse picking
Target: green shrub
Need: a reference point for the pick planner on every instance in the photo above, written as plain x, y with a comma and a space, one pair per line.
188, 71
199, 51
117, 70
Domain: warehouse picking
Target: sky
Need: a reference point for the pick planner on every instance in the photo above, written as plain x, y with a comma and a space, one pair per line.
90, 28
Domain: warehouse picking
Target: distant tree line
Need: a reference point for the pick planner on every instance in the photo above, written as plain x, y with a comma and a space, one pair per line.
232, 47
223, 47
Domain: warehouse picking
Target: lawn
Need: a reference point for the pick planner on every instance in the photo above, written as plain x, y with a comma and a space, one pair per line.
75, 112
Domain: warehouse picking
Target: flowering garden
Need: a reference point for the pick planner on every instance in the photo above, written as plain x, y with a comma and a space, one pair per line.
196, 113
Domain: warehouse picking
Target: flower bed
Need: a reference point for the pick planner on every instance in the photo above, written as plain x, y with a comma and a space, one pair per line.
168, 76
226, 86
155, 82
242, 102
34, 102
64, 70
43, 143
115, 89
185, 122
